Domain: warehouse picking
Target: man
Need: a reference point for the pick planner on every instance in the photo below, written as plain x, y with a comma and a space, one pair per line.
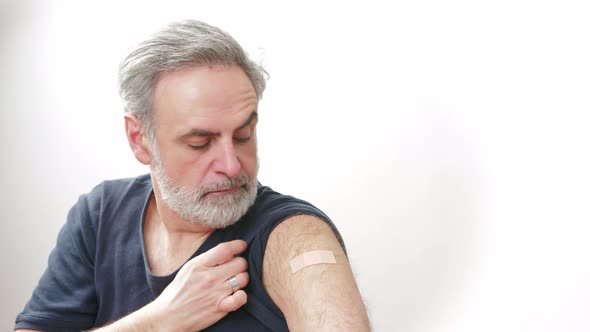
199, 243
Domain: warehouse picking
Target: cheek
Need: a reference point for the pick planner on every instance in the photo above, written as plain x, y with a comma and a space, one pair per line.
187, 168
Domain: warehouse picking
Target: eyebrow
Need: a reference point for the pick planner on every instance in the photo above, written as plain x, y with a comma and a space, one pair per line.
207, 133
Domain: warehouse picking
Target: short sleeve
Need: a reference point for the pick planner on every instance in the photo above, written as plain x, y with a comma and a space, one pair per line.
65, 297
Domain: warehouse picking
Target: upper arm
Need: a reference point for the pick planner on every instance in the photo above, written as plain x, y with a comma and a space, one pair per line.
319, 297
65, 297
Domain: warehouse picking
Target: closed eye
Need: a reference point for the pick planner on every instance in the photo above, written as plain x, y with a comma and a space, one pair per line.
200, 147
242, 139
243, 135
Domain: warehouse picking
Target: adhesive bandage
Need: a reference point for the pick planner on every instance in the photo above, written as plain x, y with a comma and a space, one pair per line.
312, 258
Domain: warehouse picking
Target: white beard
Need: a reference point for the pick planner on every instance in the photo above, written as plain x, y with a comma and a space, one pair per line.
195, 206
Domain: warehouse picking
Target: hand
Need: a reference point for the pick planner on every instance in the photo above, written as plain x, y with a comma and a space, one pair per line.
201, 294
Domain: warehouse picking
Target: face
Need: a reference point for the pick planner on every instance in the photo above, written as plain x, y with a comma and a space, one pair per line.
204, 156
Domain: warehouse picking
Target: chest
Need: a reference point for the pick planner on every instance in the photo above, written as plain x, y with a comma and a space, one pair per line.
125, 285
166, 251
164, 259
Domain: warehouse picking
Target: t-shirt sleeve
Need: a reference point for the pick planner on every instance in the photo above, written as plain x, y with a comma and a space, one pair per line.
65, 297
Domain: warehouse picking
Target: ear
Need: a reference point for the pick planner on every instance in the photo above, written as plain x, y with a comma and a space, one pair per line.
138, 142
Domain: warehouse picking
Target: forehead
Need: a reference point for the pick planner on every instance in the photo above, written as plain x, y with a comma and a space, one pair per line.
203, 96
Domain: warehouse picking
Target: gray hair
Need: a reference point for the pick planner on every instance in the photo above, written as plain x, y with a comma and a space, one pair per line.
179, 45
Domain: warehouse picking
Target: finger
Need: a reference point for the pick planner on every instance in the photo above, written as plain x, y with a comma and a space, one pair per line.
233, 302
222, 253
231, 268
243, 279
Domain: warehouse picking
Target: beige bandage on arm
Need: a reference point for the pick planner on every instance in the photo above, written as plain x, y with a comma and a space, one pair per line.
312, 258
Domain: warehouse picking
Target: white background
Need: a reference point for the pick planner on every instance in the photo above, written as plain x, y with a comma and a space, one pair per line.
448, 140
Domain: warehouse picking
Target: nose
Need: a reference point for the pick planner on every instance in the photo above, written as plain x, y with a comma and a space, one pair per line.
226, 161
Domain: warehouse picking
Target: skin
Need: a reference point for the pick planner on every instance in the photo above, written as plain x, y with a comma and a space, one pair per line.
322, 297
206, 120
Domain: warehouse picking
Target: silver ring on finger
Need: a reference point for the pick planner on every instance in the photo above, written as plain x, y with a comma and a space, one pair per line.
234, 282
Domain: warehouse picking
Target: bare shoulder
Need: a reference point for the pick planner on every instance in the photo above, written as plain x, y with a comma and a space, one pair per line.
303, 232
317, 297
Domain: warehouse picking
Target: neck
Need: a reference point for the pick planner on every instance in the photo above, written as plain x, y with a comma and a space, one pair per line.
170, 240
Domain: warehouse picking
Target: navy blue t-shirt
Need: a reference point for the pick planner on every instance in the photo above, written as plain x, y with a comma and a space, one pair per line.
98, 271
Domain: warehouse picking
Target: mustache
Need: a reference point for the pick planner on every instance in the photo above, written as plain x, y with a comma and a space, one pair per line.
240, 180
